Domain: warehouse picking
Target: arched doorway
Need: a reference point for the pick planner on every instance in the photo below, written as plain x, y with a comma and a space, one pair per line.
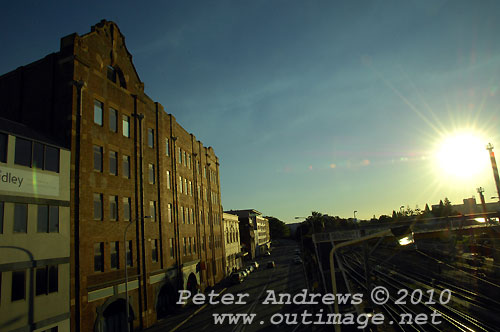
165, 303
192, 284
114, 317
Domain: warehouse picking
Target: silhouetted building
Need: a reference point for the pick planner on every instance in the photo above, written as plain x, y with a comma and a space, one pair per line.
34, 231
131, 162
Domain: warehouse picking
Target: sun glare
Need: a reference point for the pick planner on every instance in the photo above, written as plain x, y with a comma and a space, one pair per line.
462, 154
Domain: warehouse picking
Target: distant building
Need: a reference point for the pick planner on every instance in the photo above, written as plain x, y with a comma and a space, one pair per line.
262, 238
254, 232
131, 162
293, 228
34, 231
232, 242
470, 206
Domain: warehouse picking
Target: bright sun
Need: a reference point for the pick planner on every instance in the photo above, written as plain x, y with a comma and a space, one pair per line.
462, 154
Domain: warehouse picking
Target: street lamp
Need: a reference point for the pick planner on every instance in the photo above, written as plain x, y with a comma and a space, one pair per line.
403, 234
126, 270
355, 215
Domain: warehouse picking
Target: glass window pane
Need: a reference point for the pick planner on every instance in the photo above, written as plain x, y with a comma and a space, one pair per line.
114, 250
3, 147
23, 152
98, 257
41, 280
98, 206
126, 125
167, 148
151, 173
152, 210
126, 167
98, 158
43, 219
38, 153
113, 162
151, 137
54, 219
129, 253
98, 106
51, 159
113, 207
53, 278
20, 218
113, 119
18, 285
126, 208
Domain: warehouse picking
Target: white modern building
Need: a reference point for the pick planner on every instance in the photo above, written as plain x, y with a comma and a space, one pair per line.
34, 232
232, 242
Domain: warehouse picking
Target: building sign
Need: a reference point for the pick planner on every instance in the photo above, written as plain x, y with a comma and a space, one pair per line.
18, 181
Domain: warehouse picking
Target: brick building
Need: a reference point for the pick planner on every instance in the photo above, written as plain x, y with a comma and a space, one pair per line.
131, 163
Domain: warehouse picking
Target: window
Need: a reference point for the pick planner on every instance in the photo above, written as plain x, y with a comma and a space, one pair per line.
111, 74
169, 215
199, 191
151, 173
171, 248
192, 215
168, 180
114, 251
190, 188
185, 186
179, 155
182, 215
18, 285
38, 154
3, 147
113, 162
180, 184
154, 251
47, 279
126, 209
98, 106
113, 120
97, 206
126, 125
190, 248
98, 158
129, 253
126, 166
184, 158
204, 171
194, 245
51, 159
48, 219
167, 147
23, 152
151, 138
201, 217
184, 246
152, 210
20, 218
188, 216
189, 161
113, 208
99, 257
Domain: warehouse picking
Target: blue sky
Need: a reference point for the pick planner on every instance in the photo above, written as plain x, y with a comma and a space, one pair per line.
329, 106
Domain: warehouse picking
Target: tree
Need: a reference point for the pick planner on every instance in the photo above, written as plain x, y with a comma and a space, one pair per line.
277, 228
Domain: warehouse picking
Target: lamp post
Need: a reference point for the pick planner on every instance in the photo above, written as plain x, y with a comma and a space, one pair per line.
355, 215
397, 231
126, 271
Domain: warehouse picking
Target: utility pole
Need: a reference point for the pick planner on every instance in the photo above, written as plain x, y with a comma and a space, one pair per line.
480, 191
489, 147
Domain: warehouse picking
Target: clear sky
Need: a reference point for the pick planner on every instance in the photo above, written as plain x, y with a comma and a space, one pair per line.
329, 106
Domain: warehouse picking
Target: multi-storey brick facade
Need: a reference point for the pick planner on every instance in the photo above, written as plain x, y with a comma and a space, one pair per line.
131, 162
